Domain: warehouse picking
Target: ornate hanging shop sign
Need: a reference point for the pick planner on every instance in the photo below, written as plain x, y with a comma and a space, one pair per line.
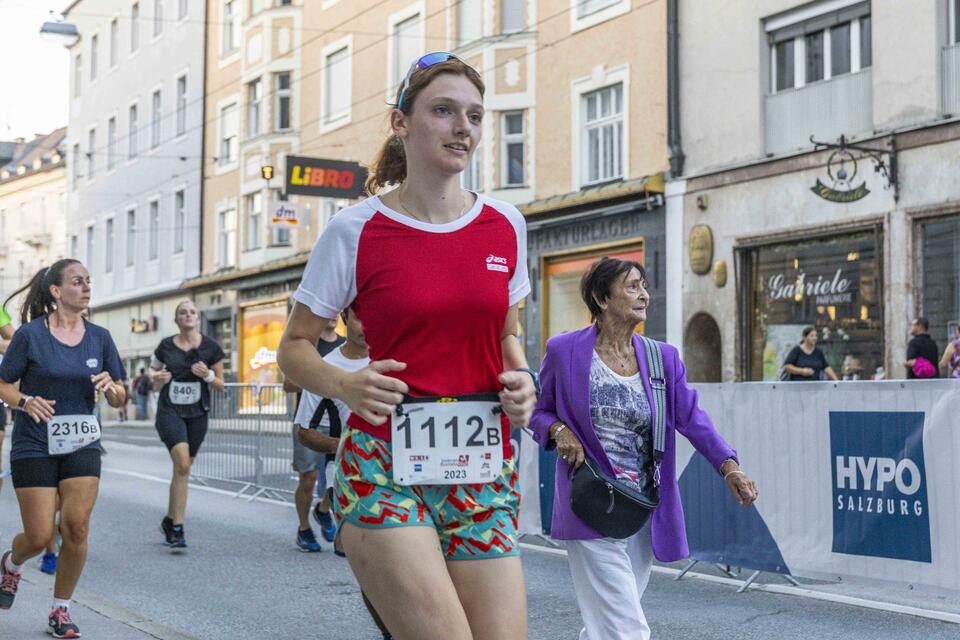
843, 170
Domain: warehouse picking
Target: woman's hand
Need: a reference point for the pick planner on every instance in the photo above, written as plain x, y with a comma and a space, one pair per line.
568, 445
102, 382
744, 489
162, 377
518, 398
40, 409
200, 369
371, 394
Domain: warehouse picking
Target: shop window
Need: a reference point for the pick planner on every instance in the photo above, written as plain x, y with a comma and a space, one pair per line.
833, 284
563, 308
260, 330
940, 290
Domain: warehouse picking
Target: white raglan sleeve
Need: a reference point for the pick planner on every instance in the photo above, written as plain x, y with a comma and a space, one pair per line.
520, 280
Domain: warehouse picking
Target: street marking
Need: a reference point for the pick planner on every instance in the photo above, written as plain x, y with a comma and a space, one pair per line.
932, 614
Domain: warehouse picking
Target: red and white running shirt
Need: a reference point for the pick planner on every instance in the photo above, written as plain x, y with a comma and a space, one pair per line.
434, 296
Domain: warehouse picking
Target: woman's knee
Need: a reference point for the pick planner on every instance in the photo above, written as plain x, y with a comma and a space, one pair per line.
74, 529
181, 466
37, 538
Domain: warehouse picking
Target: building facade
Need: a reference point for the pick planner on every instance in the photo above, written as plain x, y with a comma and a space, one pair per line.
855, 236
134, 148
33, 199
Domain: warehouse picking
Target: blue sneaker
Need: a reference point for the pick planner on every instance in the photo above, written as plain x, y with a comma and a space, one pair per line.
49, 563
325, 520
307, 541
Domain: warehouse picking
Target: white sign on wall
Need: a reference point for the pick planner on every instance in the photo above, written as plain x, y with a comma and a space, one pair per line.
284, 214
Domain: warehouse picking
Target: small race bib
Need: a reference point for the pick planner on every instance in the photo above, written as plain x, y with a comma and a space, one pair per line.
447, 440
184, 392
66, 434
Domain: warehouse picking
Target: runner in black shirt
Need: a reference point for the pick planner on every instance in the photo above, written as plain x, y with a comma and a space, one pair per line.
186, 365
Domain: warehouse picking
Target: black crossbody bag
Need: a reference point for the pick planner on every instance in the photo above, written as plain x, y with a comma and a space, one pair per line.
609, 506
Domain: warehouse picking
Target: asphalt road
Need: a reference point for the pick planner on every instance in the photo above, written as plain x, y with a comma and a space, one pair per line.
242, 577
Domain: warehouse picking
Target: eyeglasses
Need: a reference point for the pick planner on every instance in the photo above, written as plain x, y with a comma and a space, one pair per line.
424, 61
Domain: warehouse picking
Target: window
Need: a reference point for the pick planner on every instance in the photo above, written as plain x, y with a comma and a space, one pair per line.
179, 216
155, 120
111, 142
134, 27
132, 132
157, 17
256, 6
603, 134
337, 86
74, 246
821, 48
472, 176
281, 90
955, 21
154, 239
114, 41
88, 259
94, 54
76, 164
512, 16
77, 75
227, 238
940, 297
588, 7
512, 161
254, 100
91, 156
131, 236
231, 26
407, 45
254, 220
280, 235
181, 105
108, 247
182, 8
228, 134
469, 21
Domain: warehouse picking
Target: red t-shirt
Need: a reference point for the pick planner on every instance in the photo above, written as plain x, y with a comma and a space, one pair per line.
434, 296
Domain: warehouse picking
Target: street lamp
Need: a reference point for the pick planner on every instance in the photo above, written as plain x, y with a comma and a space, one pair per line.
60, 32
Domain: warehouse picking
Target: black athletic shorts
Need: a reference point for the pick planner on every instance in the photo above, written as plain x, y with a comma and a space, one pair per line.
3, 417
174, 429
49, 471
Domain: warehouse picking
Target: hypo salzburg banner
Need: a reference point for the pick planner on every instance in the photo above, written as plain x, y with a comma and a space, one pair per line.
856, 479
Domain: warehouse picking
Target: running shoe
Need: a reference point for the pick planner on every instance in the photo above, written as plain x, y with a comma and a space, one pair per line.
307, 541
325, 520
179, 540
8, 583
49, 563
166, 525
59, 624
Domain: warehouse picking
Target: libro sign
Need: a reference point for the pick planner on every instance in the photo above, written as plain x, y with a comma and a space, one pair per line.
324, 178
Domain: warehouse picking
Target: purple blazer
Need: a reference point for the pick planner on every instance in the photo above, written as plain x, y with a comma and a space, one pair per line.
565, 378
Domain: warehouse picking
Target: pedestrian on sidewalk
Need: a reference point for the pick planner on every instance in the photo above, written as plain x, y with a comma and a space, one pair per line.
185, 367
922, 352
950, 362
142, 385
309, 464
436, 274
61, 361
806, 361
599, 405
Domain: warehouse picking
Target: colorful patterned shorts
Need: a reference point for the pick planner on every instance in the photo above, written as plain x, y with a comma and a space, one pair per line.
473, 521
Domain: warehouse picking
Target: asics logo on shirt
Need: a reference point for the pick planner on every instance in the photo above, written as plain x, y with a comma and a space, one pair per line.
496, 263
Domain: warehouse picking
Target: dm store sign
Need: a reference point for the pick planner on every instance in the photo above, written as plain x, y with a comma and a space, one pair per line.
879, 485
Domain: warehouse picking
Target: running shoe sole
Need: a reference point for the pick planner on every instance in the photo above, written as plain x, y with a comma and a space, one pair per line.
70, 634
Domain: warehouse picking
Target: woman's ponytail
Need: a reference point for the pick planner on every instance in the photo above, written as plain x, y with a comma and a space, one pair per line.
39, 301
389, 167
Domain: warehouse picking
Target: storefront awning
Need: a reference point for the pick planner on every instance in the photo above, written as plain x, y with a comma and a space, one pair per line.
231, 275
652, 184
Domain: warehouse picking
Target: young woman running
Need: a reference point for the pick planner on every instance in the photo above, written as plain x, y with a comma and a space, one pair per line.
185, 366
61, 361
435, 274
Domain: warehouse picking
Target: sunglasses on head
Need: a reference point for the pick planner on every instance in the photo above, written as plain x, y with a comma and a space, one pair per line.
424, 61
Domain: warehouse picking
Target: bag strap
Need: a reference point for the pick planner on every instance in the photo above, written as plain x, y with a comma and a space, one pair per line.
658, 382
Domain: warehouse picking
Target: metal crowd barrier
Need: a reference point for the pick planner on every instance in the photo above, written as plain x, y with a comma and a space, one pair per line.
249, 445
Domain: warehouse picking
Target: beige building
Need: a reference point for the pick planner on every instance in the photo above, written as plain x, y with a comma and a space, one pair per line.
574, 134
33, 187
811, 235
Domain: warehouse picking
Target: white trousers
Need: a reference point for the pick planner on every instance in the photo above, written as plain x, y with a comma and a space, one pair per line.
609, 578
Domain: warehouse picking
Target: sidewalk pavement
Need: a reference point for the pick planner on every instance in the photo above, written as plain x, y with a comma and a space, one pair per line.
97, 617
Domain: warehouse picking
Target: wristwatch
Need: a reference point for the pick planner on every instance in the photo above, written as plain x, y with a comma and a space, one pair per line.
536, 379
22, 402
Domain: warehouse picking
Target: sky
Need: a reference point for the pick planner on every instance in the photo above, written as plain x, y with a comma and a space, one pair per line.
34, 87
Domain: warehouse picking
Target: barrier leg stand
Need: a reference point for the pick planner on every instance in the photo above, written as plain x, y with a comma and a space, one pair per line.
750, 581
687, 568
258, 451
791, 580
542, 538
728, 570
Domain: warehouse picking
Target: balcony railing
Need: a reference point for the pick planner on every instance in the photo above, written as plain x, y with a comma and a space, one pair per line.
951, 80
826, 109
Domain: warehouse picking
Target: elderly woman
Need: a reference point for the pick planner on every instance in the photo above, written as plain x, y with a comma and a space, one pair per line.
597, 403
